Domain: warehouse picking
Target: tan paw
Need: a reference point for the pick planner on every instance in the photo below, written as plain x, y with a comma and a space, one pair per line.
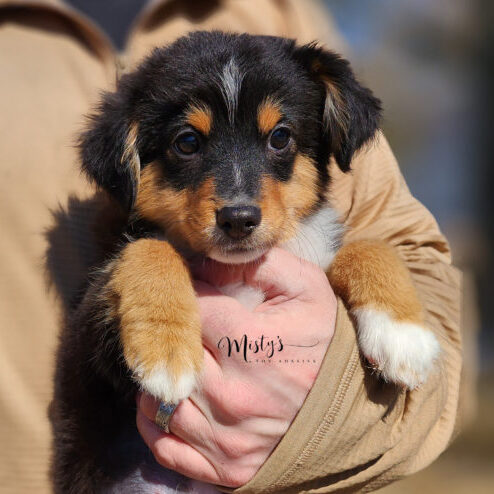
159, 318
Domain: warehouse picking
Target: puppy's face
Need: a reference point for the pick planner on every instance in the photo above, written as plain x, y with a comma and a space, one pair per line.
223, 141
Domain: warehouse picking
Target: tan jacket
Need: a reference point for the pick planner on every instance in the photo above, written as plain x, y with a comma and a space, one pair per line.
352, 432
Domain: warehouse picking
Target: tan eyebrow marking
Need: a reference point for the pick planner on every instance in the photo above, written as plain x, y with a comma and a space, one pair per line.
268, 115
201, 118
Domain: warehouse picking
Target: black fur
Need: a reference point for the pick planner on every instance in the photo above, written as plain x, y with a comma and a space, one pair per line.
361, 108
96, 444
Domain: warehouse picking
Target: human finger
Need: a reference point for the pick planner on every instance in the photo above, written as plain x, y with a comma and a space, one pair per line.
174, 453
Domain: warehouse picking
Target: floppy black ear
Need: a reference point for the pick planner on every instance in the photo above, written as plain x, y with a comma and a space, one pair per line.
109, 152
351, 113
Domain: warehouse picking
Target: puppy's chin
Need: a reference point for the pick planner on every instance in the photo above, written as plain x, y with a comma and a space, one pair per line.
236, 257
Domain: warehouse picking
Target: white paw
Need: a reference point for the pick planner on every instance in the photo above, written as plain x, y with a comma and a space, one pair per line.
404, 353
163, 385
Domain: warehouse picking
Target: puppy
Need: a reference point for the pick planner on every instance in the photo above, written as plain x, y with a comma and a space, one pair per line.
216, 146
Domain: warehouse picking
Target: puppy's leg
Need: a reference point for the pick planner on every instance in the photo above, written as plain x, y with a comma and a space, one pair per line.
155, 303
377, 287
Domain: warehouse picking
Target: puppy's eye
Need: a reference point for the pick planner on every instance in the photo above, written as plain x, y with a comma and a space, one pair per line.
187, 143
280, 138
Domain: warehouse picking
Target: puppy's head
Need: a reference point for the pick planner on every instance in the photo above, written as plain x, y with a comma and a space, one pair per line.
223, 140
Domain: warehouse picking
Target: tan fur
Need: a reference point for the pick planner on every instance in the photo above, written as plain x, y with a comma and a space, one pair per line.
284, 205
189, 216
268, 115
186, 215
157, 308
300, 192
201, 118
274, 215
130, 155
370, 274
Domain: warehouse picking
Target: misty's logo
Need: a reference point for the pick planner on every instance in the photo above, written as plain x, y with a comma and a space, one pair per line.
248, 348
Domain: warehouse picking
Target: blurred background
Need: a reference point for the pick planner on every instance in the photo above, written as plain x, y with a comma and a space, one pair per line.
432, 64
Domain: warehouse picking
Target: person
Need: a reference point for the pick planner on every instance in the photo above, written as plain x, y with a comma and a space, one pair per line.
350, 431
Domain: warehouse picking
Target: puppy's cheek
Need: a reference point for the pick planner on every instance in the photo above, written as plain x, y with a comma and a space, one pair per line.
202, 205
187, 216
285, 204
156, 201
274, 215
300, 193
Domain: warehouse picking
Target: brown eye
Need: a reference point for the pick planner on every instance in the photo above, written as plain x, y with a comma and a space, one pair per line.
187, 143
280, 138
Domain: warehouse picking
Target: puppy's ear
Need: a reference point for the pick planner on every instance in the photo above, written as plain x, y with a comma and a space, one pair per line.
351, 113
108, 150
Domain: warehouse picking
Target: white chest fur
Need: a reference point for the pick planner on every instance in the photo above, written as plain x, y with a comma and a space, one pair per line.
318, 238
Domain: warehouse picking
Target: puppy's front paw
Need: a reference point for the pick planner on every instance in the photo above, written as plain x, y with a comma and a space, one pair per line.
156, 306
165, 354
403, 352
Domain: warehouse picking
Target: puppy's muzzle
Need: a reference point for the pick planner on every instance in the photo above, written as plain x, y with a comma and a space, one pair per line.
238, 221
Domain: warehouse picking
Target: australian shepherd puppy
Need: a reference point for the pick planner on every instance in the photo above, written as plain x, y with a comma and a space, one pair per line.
216, 146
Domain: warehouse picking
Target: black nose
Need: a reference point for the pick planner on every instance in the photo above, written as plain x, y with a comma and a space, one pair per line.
238, 221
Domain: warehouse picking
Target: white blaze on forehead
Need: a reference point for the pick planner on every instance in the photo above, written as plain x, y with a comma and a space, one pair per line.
237, 175
230, 83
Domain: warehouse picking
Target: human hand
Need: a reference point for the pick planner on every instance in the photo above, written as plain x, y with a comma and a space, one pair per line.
227, 428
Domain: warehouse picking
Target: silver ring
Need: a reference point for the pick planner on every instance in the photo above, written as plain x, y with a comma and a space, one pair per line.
164, 415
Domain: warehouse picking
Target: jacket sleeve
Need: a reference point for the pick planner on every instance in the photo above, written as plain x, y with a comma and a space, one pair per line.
354, 432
